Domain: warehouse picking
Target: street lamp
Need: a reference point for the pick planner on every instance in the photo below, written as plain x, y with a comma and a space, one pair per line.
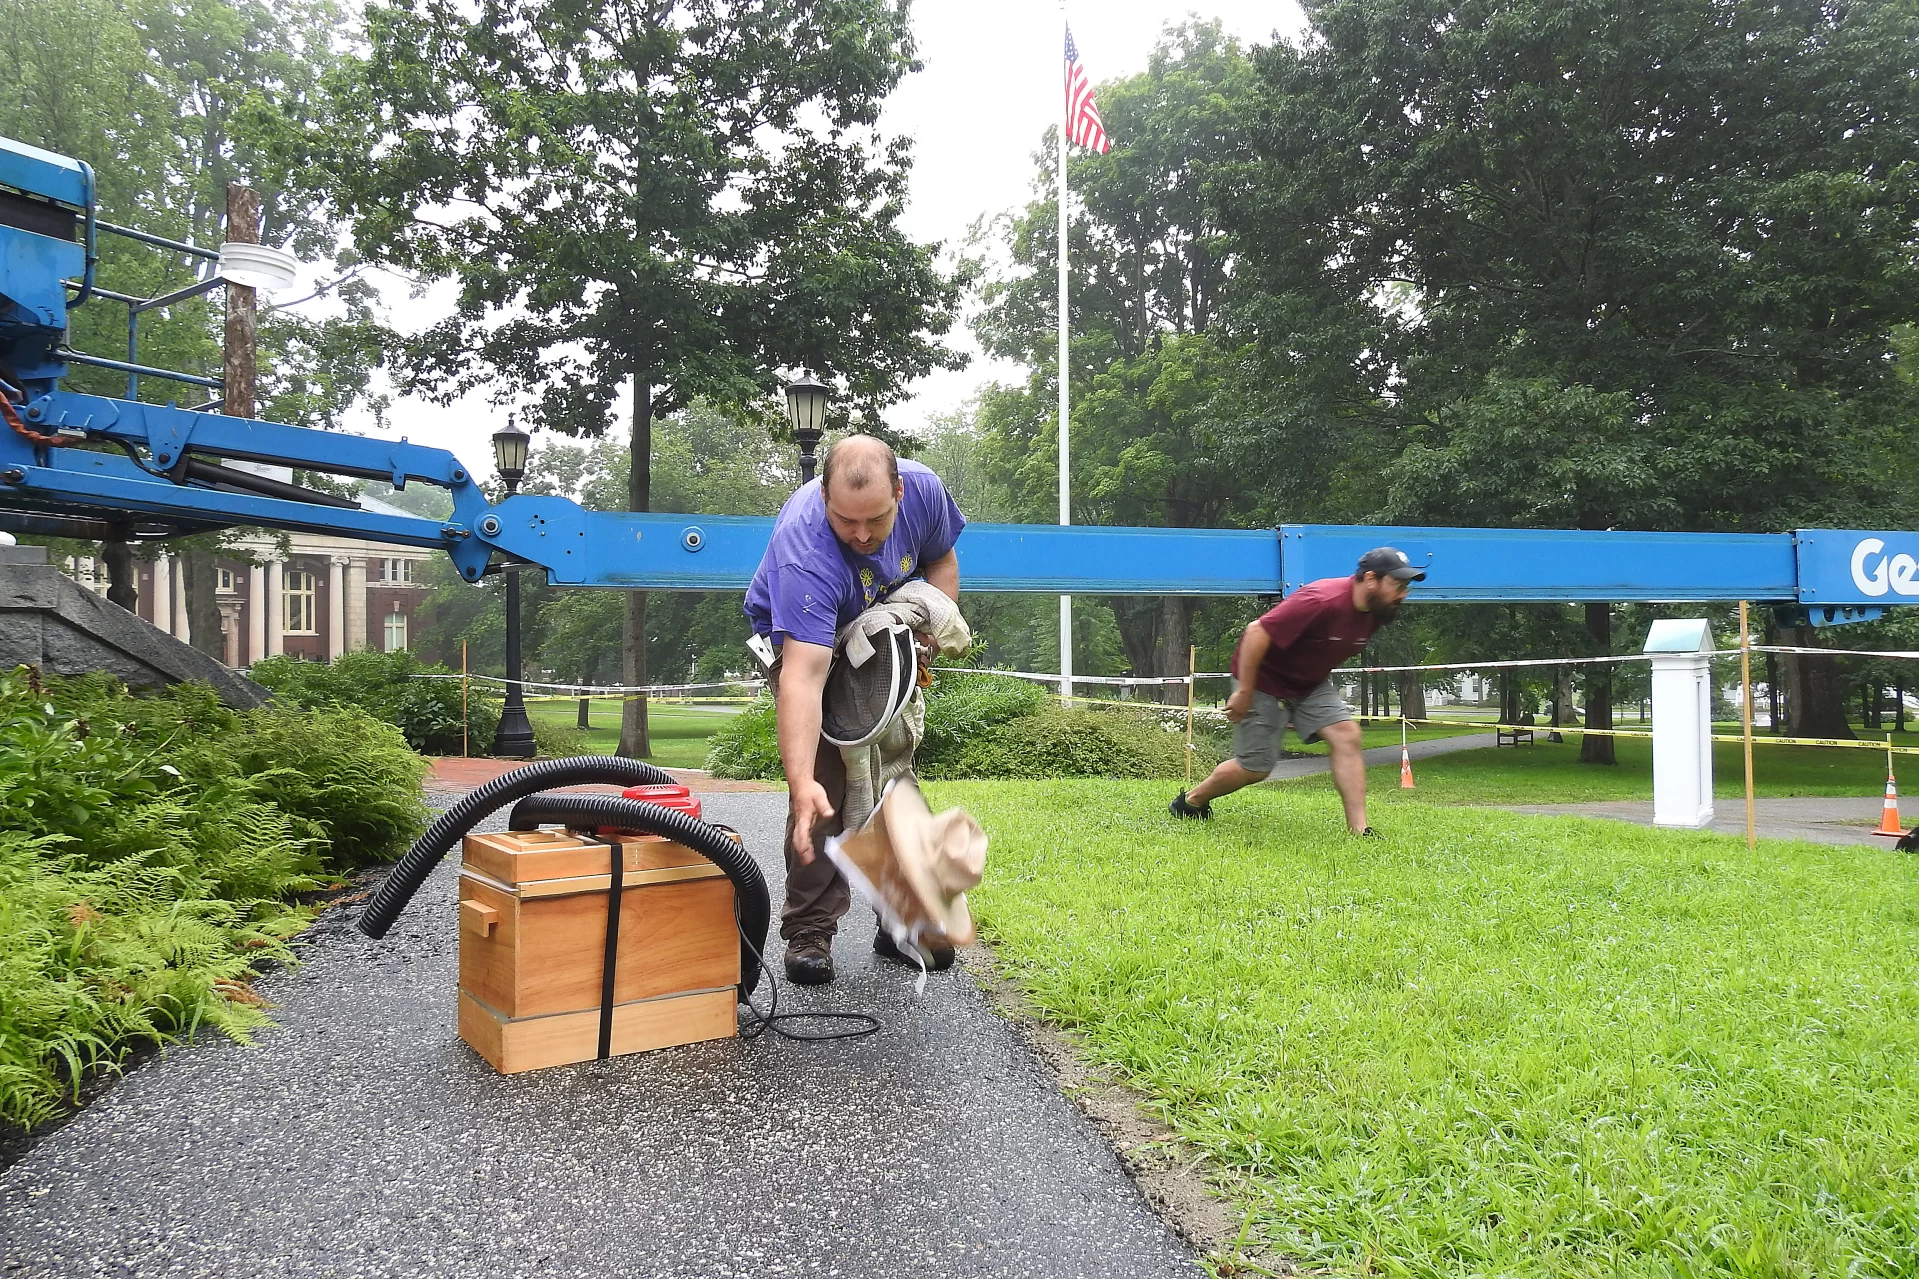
514, 737
806, 399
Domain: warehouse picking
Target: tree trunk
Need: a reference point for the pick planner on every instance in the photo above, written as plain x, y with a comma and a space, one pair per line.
201, 576
1594, 749
1561, 697
123, 584
1138, 619
1565, 706
1175, 645
1815, 694
634, 741
1412, 695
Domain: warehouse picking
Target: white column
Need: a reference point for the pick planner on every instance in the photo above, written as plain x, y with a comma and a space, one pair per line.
181, 627
356, 603
335, 608
276, 609
1681, 722
256, 613
163, 593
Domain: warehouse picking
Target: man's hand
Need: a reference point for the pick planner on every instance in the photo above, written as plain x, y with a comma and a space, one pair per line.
1240, 704
810, 807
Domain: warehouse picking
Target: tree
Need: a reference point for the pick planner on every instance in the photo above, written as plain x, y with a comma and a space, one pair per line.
1689, 226
674, 199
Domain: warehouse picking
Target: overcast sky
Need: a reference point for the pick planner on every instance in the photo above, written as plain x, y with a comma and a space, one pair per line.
990, 88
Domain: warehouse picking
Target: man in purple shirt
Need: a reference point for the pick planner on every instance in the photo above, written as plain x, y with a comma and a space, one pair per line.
841, 543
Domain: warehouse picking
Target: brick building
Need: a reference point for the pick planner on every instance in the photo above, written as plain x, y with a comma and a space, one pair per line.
322, 597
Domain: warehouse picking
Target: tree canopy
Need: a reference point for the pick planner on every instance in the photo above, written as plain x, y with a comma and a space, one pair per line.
675, 198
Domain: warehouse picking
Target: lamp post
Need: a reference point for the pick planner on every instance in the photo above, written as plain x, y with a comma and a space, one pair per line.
806, 400
514, 737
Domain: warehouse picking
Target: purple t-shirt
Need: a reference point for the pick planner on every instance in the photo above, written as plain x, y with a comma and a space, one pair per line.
809, 583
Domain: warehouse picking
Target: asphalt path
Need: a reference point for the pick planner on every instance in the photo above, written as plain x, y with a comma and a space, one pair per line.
359, 1138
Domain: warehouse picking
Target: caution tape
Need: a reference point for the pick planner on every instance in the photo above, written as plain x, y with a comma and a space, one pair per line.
1832, 652
1041, 677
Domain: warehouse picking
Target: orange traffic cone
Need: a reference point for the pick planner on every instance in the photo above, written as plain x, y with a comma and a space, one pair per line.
1406, 772
1889, 815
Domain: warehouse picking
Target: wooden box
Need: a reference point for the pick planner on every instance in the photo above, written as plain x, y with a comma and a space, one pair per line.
533, 923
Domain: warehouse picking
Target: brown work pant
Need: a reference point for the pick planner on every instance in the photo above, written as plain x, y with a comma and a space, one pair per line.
816, 893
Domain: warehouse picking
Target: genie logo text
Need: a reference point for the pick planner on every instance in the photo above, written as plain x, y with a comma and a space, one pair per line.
1878, 574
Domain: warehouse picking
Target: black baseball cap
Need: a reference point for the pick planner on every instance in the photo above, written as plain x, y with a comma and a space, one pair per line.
1390, 561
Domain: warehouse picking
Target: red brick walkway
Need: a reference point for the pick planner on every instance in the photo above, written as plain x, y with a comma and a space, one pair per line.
453, 774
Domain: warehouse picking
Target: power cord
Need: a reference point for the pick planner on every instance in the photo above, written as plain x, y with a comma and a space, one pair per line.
772, 1017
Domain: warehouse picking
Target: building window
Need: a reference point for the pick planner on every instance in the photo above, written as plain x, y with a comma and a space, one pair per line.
399, 572
395, 630
226, 586
299, 602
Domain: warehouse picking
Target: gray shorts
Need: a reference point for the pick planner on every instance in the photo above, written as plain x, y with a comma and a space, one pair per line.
1256, 738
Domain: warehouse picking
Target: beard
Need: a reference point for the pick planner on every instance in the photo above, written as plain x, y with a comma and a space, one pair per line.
1385, 612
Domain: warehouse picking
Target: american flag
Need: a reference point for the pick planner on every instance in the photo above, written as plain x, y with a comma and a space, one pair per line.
1083, 127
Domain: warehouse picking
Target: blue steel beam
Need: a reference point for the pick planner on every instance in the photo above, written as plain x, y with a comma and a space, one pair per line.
1556, 565
1827, 568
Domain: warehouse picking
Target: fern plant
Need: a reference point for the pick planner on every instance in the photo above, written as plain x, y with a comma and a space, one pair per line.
152, 853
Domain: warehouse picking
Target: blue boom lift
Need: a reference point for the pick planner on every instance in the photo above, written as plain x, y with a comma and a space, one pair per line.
91, 466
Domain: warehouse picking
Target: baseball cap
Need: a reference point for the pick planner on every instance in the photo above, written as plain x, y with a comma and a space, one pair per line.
1390, 561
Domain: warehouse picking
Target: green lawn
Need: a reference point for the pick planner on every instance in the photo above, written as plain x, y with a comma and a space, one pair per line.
1544, 773
679, 732
1488, 1045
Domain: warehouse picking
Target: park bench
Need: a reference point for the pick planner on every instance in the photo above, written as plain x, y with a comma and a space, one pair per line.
1511, 736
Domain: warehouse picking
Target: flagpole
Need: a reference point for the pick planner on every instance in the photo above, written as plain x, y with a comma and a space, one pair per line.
1065, 420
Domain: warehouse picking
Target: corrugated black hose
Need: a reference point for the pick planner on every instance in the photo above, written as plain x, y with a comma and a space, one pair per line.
404, 880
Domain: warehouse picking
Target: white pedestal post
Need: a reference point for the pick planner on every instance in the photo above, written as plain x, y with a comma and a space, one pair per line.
1681, 722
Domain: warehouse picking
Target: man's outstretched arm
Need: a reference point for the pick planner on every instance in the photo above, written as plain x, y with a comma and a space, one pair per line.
802, 683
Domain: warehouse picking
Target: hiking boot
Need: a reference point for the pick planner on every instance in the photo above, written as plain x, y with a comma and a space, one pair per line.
1180, 808
809, 959
938, 958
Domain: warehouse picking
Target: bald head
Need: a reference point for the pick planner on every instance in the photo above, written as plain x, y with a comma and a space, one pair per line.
860, 486
858, 462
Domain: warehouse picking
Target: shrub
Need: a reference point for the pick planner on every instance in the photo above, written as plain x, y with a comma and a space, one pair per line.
963, 708
556, 741
1087, 742
992, 726
150, 849
389, 686
747, 746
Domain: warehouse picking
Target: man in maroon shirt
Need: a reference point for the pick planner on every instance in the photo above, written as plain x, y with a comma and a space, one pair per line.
1289, 654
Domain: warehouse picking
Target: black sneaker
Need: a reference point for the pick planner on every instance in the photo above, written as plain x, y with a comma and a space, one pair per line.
1370, 833
1180, 808
809, 959
938, 958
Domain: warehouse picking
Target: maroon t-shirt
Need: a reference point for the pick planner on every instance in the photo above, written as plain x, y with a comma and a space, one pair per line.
1313, 630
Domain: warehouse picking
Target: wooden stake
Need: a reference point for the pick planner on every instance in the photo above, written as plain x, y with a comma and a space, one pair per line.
463, 711
1192, 664
1745, 715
